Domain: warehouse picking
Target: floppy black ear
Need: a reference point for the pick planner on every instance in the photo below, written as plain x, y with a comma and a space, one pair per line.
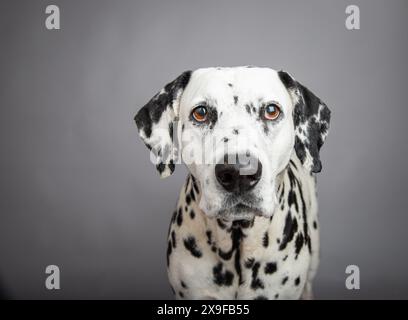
311, 118
155, 123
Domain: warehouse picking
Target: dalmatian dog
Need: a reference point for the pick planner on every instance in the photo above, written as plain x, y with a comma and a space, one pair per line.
245, 225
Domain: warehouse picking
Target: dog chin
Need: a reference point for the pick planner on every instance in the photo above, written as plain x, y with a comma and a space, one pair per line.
242, 212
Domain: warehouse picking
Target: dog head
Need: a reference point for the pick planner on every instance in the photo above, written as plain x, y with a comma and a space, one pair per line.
236, 131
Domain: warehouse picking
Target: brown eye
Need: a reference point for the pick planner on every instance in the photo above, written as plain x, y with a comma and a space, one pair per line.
272, 112
199, 114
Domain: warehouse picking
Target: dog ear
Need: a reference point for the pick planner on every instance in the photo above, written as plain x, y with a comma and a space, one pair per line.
155, 123
311, 118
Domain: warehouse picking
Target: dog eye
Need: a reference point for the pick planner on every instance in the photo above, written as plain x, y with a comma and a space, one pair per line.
199, 113
272, 112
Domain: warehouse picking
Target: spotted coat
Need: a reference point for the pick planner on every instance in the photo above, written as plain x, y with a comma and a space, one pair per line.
266, 258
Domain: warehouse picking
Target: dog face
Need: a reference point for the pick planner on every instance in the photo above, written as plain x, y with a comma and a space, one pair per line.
236, 129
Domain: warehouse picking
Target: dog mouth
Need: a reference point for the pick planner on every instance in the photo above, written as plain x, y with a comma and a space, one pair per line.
240, 211
240, 207
245, 206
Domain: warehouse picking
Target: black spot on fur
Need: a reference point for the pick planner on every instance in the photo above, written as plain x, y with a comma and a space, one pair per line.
187, 183
183, 285
265, 240
209, 236
256, 283
195, 186
235, 100
225, 255
249, 263
293, 164
173, 239
266, 128
181, 294
294, 182
270, 267
222, 278
292, 200
192, 214
230, 85
160, 167
282, 191
248, 109
235, 131
221, 224
169, 249
305, 226
192, 194
315, 225
284, 280
298, 243
260, 298
171, 130
225, 139
292, 178
236, 236
277, 296
171, 166
188, 199
290, 228
191, 245
297, 281
180, 217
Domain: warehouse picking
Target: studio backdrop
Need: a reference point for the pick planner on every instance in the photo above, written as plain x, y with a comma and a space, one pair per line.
78, 191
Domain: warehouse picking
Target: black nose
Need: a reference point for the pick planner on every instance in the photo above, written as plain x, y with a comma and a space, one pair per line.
240, 176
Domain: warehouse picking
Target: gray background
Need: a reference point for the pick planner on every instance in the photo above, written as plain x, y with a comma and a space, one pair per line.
77, 188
